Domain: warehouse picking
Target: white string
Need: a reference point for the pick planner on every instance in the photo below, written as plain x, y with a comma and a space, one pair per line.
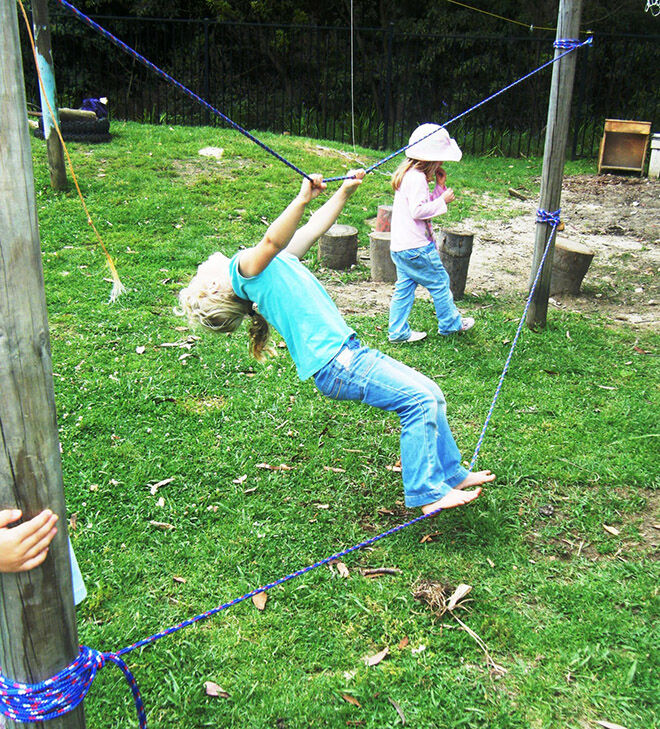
352, 84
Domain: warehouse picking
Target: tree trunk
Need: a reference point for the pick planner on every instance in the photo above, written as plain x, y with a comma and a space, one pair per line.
338, 247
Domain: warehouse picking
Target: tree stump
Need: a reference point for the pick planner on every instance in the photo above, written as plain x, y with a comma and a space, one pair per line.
455, 248
382, 265
338, 247
569, 266
384, 219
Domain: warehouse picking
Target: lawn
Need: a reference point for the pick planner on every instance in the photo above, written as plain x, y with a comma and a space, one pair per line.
178, 502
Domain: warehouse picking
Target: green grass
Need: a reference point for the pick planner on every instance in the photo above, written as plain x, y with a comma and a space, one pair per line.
563, 605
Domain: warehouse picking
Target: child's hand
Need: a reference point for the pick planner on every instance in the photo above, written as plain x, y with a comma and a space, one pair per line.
448, 195
311, 188
25, 546
353, 181
440, 177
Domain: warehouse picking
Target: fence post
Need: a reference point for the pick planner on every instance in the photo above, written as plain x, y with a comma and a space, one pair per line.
388, 86
207, 90
38, 634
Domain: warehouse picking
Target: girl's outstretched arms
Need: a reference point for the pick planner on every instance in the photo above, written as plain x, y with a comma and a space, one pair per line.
325, 216
254, 260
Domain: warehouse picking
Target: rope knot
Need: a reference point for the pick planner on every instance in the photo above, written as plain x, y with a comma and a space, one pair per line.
570, 43
544, 216
32, 702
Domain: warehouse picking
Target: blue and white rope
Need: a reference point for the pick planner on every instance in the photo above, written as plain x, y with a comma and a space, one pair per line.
569, 44
542, 216
62, 693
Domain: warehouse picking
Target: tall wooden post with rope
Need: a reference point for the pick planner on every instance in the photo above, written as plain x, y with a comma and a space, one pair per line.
49, 113
38, 634
556, 138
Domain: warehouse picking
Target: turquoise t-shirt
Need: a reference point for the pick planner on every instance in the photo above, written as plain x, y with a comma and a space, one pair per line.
291, 299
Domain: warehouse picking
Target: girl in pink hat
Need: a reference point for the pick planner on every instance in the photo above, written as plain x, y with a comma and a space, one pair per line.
413, 247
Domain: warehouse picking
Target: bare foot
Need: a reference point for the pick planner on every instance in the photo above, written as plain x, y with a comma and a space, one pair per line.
475, 479
453, 498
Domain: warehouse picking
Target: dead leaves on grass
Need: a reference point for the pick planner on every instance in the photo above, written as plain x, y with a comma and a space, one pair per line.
212, 689
442, 598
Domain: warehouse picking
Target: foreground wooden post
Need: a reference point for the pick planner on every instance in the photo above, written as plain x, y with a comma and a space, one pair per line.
41, 29
38, 633
556, 137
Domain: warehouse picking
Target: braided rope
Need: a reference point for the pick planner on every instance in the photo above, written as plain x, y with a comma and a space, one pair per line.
572, 44
542, 216
62, 693
166, 77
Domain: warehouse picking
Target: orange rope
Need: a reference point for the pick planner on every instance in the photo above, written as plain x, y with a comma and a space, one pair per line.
117, 286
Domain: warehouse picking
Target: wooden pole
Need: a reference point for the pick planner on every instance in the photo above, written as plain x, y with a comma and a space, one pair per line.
556, 137
38, 634
47, 93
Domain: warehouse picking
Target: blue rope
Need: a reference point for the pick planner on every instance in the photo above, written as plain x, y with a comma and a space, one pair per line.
570, 44
542, 216
573, 45
62, 693
159, 72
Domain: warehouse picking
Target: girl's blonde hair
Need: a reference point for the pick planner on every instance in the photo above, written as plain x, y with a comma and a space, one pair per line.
429, 168
210, 301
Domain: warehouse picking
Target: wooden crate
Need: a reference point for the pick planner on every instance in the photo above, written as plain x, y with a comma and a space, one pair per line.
623, 146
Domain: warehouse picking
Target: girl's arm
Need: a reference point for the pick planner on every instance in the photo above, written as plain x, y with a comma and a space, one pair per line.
420, 202
324, 217
254, 260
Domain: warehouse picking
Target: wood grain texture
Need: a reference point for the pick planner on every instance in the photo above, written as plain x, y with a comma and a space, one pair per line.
37, 618
554, 156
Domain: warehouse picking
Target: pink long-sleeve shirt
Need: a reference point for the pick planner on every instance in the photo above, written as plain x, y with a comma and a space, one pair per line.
414, 206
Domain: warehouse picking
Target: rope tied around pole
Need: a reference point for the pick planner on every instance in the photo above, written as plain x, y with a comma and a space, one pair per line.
542, 216
63, 692
571, 43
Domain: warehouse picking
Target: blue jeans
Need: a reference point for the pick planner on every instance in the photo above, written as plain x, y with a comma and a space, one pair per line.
423, 267
430, 460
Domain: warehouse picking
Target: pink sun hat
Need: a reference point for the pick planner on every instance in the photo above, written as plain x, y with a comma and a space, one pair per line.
432, 143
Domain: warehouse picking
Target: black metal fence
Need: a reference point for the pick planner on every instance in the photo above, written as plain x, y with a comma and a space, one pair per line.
299, 79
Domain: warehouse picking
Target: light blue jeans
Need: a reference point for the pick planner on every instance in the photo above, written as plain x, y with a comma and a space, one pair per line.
423, 267
430, 460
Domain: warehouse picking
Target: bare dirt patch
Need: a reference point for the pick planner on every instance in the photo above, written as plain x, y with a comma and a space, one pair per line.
617, 217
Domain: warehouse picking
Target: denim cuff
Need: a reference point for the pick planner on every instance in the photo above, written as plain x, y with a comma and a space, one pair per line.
435, 493
458, 477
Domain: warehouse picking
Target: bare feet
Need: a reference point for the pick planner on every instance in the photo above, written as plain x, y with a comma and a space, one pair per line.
453, 498
475, 479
